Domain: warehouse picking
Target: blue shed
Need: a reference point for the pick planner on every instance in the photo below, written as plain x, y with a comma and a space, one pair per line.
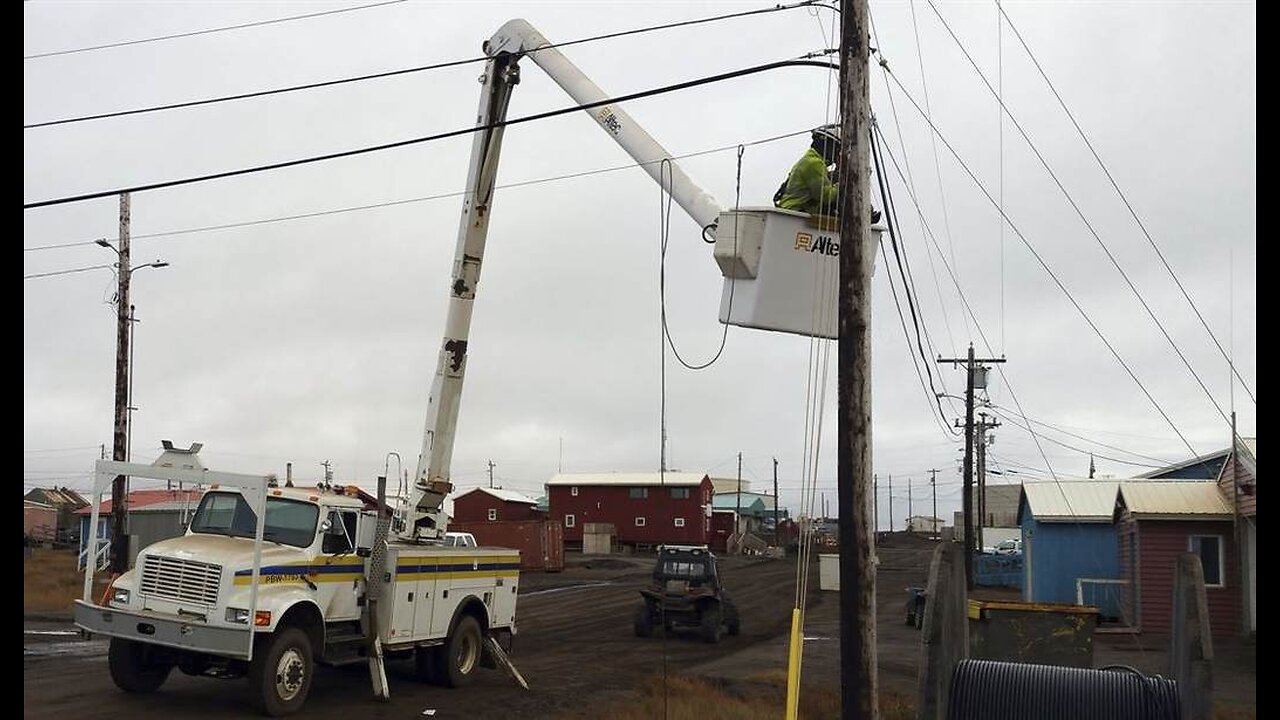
1069, 543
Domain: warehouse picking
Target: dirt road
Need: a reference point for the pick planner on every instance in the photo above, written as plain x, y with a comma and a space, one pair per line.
575, 647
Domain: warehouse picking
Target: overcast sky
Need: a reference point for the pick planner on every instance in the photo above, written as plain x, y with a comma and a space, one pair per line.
316, 339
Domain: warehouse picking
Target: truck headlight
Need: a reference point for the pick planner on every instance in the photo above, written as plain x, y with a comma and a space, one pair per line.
238, 615
119, 596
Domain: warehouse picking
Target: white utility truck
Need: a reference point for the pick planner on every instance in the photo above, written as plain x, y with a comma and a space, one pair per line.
268, 581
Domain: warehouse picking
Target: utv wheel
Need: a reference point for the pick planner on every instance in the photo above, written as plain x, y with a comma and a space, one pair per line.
280, 672
462, 651
733, 623
643, 621
135, 667
710, 624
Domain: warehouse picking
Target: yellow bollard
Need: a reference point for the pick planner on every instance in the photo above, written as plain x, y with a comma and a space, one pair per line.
793, 664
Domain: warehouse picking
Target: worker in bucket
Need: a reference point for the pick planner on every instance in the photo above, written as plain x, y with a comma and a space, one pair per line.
812, 186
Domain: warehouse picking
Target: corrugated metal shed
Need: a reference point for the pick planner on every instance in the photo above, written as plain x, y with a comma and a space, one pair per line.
1146, 499
1091, 501
674, 479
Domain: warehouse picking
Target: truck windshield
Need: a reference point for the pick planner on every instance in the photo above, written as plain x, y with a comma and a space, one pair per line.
288, 521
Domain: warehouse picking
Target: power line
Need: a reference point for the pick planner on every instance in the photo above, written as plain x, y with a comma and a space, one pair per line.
1127, 204
964, 301
65, 272
1008, 418
208, 31
890, 212
438, 136
1055, 428
407, 71
910, 183
924, 83
1080, 213
1045, 266
424, 198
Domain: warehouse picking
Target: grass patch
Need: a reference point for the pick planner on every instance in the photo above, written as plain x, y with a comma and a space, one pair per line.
762, 697
50, 581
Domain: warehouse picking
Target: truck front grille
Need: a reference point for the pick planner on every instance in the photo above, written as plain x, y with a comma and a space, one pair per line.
184, 581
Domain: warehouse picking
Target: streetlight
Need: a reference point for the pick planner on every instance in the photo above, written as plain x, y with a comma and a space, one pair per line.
124, 385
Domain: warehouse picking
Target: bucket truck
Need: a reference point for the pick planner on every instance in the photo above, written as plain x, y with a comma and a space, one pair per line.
267, 581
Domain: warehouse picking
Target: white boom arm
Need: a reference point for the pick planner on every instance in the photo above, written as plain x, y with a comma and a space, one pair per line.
421, 517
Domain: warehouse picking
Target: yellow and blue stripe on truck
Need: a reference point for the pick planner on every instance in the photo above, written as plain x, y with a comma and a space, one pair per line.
436, 568
407, 568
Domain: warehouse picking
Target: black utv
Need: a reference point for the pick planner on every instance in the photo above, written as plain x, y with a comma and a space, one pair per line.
686, 593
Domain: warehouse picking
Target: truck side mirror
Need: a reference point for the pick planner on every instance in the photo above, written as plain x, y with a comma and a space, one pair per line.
366, 529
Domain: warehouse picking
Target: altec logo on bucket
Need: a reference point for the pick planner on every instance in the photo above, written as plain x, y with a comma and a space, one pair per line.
823, 244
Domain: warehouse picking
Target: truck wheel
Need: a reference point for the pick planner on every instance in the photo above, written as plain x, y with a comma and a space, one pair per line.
134, 666
280, 672
710, 624
462, 653
643, 621
732, 622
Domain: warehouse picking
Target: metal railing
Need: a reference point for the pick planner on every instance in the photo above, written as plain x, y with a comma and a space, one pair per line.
101, 556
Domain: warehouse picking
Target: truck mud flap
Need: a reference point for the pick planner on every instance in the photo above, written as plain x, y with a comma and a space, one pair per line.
500, 657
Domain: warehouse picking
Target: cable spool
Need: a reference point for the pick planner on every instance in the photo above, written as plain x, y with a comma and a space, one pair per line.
994, 690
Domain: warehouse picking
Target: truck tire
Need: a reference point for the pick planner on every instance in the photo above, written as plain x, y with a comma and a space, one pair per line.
643, 621
134, 666
461, 657
426, 664
710, 624
280, 672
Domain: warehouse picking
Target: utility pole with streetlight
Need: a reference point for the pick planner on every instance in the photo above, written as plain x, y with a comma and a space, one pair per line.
124, 384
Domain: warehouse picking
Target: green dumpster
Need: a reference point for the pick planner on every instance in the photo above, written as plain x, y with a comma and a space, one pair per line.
1044, 633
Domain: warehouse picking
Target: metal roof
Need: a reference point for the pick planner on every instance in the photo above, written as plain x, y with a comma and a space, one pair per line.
627, 479
731, 499
730, 502
140, 500
1197, 460
59, 497
505, 495
1091, 501
1174, 498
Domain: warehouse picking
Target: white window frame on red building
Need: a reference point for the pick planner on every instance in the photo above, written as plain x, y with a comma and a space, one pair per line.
570, 521
679, 522
640, 521
493, 514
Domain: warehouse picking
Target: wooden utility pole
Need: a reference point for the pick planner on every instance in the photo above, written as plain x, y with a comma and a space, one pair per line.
910, 507
737, 512
875, 502
982, 428
890, 502
971, 364
933, 485
858, 680
120, 436
775, 502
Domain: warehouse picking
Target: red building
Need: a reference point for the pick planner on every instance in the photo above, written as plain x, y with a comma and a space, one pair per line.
1238, 482
1156, 521
644, 508
494, 505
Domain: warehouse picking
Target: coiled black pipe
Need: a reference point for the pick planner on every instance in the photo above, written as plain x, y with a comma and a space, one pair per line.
994, 690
